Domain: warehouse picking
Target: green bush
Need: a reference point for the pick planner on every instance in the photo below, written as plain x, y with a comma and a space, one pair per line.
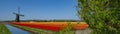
103, 16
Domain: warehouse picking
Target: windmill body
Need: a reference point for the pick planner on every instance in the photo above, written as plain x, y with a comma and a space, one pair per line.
17, 19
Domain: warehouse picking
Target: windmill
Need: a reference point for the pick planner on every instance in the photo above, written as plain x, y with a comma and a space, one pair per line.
17, 19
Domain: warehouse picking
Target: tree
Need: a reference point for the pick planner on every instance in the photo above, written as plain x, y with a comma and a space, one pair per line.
103, 16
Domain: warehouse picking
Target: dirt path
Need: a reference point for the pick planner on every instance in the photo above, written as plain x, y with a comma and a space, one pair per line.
87, 31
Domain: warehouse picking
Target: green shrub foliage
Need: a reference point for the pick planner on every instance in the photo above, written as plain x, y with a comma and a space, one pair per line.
103, 16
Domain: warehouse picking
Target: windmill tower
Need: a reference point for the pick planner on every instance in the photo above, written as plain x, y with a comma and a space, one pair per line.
17, 19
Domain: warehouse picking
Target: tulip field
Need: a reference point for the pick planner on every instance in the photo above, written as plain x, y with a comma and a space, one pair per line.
57, 27
4, 29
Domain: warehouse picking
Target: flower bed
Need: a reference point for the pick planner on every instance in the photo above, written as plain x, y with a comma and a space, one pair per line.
54, 26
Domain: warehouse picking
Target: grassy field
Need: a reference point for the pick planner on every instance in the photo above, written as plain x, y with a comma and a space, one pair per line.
3, 29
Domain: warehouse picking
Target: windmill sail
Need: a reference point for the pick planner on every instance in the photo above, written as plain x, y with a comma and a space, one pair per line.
17, 19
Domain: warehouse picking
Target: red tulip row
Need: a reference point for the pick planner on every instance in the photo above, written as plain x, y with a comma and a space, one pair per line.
51, 26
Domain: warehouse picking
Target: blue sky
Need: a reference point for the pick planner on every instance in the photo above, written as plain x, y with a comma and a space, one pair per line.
39, 9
